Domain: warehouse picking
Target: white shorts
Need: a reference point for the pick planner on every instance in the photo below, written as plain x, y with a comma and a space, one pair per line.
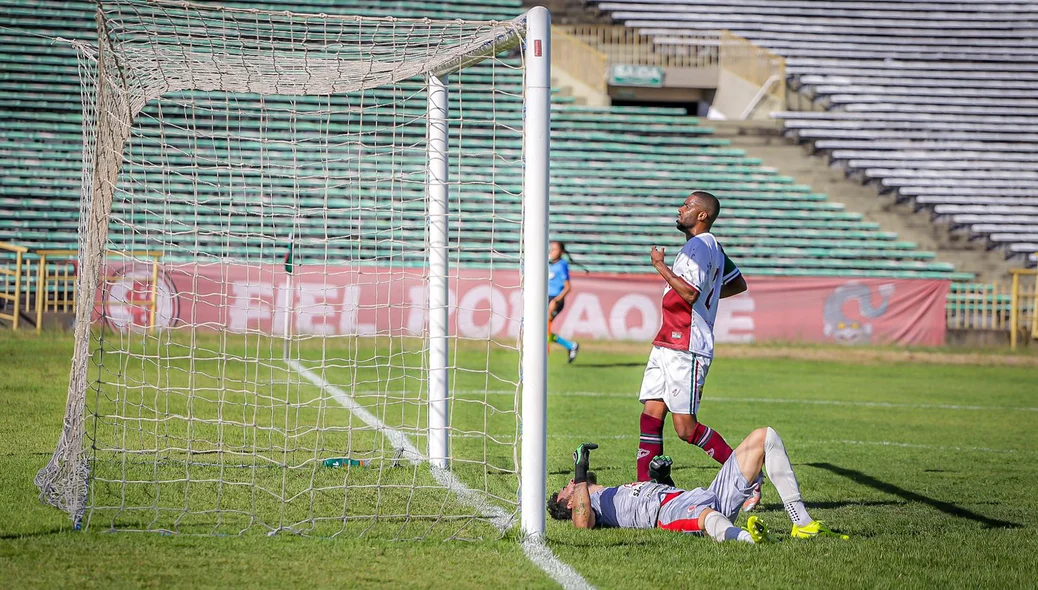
676, 377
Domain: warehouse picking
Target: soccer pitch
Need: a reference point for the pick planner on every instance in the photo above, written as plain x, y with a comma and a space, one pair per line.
929, 466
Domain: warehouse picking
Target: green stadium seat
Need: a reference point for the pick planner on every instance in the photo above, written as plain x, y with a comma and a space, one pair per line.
617, 173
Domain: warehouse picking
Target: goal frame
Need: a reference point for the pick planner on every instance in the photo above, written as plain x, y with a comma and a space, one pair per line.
116, 109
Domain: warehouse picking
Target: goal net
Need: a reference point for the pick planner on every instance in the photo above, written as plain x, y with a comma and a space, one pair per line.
345, 330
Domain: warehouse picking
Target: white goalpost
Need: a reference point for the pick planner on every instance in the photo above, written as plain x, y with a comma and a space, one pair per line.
347, 333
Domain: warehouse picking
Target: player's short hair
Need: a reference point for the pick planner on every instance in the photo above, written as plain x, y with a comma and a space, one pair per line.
558, 510
709, 203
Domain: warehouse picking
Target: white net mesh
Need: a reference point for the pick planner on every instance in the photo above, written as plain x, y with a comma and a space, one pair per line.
269, 373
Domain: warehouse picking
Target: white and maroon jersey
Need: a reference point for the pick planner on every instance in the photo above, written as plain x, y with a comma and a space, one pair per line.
702, 264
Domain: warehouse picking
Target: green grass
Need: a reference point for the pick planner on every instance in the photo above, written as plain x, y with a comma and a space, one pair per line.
934, 493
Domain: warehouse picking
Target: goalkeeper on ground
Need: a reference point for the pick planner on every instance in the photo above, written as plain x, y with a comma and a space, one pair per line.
659, 504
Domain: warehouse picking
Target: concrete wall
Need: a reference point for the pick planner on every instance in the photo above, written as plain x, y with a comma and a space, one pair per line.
734, 94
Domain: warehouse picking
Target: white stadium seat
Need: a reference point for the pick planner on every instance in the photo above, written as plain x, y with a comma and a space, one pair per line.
933, 100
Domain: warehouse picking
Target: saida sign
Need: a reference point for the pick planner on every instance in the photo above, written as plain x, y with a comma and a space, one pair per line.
631, 75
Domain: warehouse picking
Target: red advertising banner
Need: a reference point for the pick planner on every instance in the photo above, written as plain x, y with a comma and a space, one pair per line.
367, 301
792, 309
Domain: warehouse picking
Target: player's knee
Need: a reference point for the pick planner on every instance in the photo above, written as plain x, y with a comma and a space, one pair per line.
685, 429
754, 441
756, 438
758, 435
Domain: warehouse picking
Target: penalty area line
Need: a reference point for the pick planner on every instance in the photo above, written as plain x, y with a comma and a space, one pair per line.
777, 400
533, 546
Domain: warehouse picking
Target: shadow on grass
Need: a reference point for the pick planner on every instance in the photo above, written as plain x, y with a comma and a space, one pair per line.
889, 488
831, 505
16, 536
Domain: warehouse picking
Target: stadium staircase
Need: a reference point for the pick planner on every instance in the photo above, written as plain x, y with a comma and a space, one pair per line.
617, 173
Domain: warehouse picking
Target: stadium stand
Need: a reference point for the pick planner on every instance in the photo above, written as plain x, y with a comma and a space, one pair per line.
933, 100
617, 173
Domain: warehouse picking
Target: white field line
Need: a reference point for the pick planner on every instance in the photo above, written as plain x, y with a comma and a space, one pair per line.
872, 443
533, 546
770, 400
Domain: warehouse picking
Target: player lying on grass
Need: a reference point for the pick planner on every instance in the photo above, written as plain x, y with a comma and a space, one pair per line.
658, 503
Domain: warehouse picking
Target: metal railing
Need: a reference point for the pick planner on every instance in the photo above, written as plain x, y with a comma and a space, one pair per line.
586, 52
1024, 302
626, 45
1009, 306
578, 59
56, 282
44, 281
13, 270
979, 306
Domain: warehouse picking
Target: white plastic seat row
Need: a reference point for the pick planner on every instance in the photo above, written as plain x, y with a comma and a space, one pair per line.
867, 117
975, 200
882, 32
915, 191
951, 90
937, 120
821, 81
891, 144
987, 227
986, 210
963, 173
1009, 220
1026, 248
1001, 110
837, 66
841, 126
985, 183
807, 48
820, 17
1013, 238
916, 135
931, 101
881, 161
910, 153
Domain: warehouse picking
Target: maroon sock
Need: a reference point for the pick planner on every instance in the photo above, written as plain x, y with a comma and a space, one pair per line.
712, 442
650, 444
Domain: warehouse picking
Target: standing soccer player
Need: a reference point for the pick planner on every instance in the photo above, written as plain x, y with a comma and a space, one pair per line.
558, 288
684, 347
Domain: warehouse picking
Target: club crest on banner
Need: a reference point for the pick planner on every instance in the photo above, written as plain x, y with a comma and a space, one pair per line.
127, 297
846, 329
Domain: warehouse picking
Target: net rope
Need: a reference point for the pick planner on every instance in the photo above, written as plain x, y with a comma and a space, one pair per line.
275, 164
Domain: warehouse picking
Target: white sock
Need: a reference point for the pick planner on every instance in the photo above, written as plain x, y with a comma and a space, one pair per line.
721, 529
797, 513
780, 472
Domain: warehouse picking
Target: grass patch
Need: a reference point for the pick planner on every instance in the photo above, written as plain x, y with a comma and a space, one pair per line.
927, 466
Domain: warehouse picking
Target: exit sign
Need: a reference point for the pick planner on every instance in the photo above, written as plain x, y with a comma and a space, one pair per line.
628, 75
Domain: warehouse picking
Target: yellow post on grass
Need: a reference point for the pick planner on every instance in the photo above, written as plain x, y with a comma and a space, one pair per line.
16, 297
63, 282
1023, 305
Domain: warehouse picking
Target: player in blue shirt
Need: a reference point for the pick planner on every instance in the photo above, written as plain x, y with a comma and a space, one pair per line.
558, 288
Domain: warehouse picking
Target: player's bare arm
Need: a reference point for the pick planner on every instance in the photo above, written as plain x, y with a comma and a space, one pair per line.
734, 287
580, 498
687, 292
583, 515
565, 291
